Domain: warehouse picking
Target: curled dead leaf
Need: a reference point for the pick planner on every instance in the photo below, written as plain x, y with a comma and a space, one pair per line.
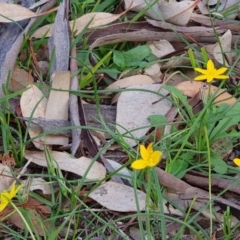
118, 197
66, 162
13, 12
191, 88
130, 81
89, 20
33, 105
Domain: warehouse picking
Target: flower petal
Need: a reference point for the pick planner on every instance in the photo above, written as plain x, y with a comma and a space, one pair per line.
139, 164
209, 78
150, 148
155, 158
203, 71
3, 206
210, 66
221, 70
200, 77
12, 190
18, 188
237, 161
144, 153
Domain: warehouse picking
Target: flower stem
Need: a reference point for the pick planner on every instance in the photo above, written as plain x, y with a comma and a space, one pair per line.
24, 220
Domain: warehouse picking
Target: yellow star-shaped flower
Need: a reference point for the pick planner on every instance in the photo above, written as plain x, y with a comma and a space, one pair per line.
211, 72
237, 161
149, 158
6, 196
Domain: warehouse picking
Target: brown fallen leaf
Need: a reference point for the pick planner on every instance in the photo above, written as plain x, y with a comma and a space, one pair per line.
20, 79
33, 104
191, 88
57, 106
118, 197
224, 46
189, 29
174, 12
89, 20
11, 40
66, 162
8, 159
129, 81
13, 12
207, 21
38, 184
149, 99
6, 177
186, 191
37, 213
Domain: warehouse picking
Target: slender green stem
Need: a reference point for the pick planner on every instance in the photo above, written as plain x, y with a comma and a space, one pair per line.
24, 220
148, 203
137, 204
209, 179
161, 203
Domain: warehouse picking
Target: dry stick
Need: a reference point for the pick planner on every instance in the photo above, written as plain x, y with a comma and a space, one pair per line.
186, 191
91, 144
73, 104
232, 185
144, 31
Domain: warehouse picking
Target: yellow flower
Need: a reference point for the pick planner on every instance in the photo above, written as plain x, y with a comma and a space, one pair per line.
6, 196
149, 158
237, 161
211, 72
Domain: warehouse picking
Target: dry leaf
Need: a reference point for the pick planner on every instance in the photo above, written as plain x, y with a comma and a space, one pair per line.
222, 95
66, 162
118, 197
57, 106
33, 105
173, 12
14, 12
129, 81
89, 20
134, 107
39, 184
37, 219
6, 177
8, 159
160, 48
123, 173
12, 39
224, 50
177, 13
20, 79
215, 50
153, 71
190, 89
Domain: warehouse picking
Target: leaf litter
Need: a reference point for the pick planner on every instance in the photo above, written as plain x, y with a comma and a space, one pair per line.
53, 114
